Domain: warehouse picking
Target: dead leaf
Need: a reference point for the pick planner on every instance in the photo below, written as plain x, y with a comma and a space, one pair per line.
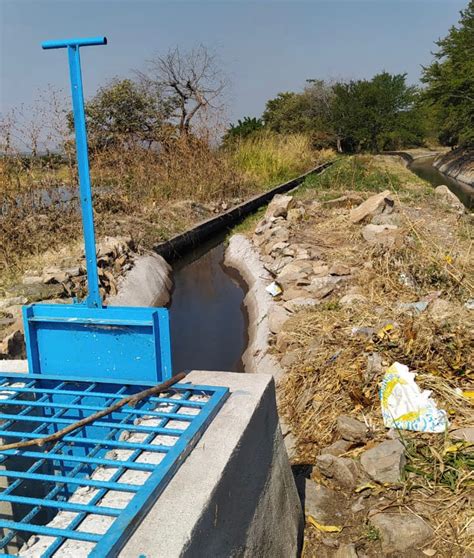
324, 528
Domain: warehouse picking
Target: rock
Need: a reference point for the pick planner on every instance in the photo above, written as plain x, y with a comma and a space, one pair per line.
37, 291
12, 301
400, 532
283, 341
55, 275
302, 302
469, 304
32, 279
387, 219
465, 434
385, 462
13, 346
297, 266
352, 299
324, 504
322, 286
295, 215
441, 310
351, 429
346, 551
374, 366
293, 292
289, 440
343, 470
277, 316
109, 246
384, 235
289, 359
319, 269
279, 206
339, 269
375, 205
444, 194
347, 200
337, 448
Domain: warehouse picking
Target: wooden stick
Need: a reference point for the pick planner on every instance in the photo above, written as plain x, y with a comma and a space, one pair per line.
130, 400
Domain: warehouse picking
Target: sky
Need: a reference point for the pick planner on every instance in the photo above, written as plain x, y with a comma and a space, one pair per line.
264, 47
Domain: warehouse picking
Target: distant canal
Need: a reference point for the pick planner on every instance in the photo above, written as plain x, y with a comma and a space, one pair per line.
424, 169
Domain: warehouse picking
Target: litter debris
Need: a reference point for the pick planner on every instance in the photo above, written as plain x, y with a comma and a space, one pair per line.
274, 289
405, 406
413, 307
469, 304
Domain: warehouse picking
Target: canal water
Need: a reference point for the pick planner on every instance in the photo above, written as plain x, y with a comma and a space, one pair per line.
424, 169
208, 320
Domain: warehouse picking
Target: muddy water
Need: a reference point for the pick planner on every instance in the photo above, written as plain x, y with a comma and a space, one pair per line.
424, 169
207, 317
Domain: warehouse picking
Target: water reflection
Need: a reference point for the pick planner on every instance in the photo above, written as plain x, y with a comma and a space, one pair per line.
208, 325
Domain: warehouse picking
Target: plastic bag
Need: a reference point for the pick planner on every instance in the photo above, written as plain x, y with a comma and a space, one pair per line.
405, 406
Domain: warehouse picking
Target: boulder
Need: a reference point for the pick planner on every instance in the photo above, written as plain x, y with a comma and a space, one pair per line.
384, 235
324, 504
279, 206
401, 532
277, 316
375, 205
342, 470
351, 429
444, 194
32, 279
384, 462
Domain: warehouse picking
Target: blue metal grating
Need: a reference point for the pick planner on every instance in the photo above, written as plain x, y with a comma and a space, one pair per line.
86, 493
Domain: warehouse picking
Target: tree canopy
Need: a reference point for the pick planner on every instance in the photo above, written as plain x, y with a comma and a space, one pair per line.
450, 82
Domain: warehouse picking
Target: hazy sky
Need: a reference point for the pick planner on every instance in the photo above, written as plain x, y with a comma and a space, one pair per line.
265, 47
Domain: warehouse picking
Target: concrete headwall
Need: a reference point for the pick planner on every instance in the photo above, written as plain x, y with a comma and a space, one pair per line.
235, 494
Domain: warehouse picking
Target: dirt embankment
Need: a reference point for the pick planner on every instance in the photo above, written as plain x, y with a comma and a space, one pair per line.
373, 269
458, 164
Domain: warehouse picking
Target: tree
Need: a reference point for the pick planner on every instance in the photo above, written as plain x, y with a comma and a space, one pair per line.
127, 114
192, 81
243, 129
375, 115
305, 112
450, 82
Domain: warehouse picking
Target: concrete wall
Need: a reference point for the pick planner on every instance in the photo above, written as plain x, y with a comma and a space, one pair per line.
148, 283
180, 244
235, 494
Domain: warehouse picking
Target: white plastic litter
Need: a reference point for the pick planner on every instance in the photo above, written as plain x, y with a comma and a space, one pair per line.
405, 406
274, 289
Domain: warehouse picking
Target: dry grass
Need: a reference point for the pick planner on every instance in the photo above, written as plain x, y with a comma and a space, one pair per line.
333, 343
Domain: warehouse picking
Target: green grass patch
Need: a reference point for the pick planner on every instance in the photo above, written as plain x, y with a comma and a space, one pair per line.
358, 173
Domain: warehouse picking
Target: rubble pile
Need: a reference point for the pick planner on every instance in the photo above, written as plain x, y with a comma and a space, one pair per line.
66, 281
360, 282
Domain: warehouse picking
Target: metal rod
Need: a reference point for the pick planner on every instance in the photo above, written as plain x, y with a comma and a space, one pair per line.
93, 297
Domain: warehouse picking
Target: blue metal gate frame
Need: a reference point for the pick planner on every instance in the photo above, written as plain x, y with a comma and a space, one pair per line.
33, 406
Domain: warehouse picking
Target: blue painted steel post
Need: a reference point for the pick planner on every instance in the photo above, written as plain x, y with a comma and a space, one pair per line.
93, 298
